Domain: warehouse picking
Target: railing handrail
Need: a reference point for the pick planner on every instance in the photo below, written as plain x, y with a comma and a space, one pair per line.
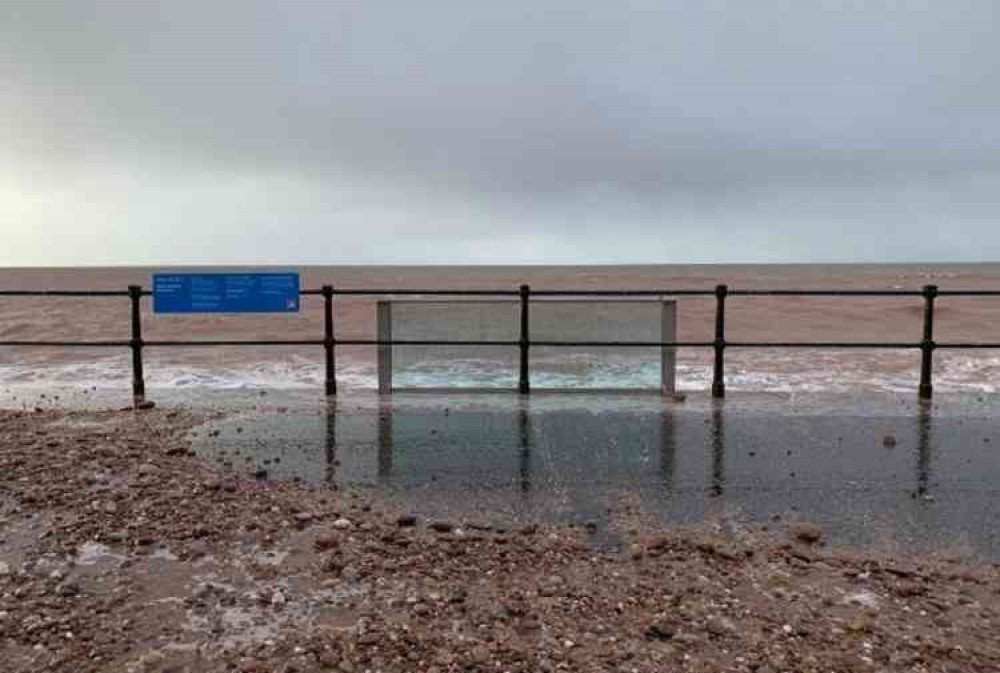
524, 294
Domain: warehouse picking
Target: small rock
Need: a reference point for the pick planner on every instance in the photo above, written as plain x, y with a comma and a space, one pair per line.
342, 524
865, 599
442, 526
406, 521
858, 624
4, 569
722, 627
480, 654
888, 441
67, 589
278, 599
806, 532
202, 591
907, 589
326, 542
660, 631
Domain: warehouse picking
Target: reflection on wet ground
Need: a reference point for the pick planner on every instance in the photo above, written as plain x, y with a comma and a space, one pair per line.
873, 470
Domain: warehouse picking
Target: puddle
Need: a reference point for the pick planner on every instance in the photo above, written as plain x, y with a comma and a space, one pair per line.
873, 470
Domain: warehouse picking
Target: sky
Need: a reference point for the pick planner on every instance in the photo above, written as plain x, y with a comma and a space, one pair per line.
514, 132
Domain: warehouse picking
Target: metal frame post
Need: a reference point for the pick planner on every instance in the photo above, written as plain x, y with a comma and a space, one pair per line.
927, 345
329, 341
524, 383
718, 371
138, 378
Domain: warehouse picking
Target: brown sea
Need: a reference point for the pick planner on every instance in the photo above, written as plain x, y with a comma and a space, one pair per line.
748, 319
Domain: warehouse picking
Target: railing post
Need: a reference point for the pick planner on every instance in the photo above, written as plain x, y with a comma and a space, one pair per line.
718, 371
138, 380
927, 345
524, 384
329, 341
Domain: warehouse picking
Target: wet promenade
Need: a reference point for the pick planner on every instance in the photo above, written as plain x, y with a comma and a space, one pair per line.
875, 470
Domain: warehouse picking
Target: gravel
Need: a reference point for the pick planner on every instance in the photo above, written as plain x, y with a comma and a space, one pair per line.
198, 569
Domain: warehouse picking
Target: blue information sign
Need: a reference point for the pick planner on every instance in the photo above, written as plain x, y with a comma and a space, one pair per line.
225, 292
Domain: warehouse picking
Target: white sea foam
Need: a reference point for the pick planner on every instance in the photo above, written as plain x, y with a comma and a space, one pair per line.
779, 371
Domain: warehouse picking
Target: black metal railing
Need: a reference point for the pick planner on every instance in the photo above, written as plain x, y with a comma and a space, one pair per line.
524, 293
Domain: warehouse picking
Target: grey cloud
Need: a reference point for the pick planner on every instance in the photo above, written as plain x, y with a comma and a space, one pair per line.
546, 117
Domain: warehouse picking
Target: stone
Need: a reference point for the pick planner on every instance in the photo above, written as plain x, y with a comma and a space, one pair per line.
858, 624
406, 521
721, 627
865, 599
326, 542
328, 660
804, 531
480, 654
68, 589
4, 569
908, 589
342, 524
888, 441
442, 526
278, 598
202, 591
660, 630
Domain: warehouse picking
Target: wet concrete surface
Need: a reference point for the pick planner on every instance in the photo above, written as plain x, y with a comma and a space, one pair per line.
875, 471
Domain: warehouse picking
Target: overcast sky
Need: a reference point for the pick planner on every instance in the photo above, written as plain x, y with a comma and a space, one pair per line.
521, 131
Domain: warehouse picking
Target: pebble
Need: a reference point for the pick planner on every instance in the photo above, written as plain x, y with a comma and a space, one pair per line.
806, 532
278, 598
342, 524
660, 630
723, 627
67, 589
326, 543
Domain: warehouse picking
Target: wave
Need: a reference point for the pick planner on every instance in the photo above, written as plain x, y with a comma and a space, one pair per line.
779, 371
